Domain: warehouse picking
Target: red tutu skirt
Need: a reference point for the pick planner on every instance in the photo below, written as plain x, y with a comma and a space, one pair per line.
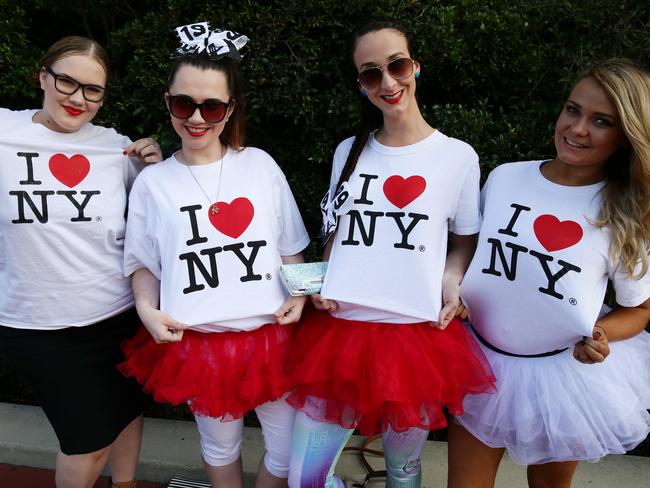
220, 374
372, 376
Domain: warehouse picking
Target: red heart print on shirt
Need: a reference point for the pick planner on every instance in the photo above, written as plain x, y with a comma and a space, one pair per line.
69, 170
554, 234
402, 191
233, 218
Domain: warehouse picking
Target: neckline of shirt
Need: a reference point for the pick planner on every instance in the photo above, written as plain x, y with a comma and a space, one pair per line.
431, 139
48, 133
541, 181
206, 167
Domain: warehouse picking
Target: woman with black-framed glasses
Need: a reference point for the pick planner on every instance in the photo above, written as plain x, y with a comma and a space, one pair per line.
69, 86
384, 353
207, 231
65, 305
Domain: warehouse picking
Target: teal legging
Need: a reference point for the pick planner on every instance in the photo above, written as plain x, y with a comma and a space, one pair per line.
316, 447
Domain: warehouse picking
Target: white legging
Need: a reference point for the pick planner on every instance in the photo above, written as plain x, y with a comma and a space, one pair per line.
221, 441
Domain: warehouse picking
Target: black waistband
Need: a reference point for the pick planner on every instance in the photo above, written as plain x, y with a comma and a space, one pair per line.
512, 354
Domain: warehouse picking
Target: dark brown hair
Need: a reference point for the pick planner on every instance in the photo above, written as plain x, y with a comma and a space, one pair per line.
233, 133
371, 117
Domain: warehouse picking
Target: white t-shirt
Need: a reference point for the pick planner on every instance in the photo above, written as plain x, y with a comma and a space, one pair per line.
217, 271
539, 275
62, 205
389, 250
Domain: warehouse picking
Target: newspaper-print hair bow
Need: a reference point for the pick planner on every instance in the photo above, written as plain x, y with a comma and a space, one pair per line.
332, 207
197, 39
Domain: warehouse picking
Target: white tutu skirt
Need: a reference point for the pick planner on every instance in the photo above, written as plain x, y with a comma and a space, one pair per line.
557, 409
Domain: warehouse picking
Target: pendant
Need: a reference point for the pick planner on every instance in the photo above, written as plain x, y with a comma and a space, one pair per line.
214, 208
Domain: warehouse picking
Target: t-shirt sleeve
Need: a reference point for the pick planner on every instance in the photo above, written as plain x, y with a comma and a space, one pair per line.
466, 220
10, 119
630, 292
291, 234
338, 162
133, 169
485, 191
140, 245
132, 166
326, 204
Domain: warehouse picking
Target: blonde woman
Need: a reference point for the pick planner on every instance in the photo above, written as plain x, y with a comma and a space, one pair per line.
572, 382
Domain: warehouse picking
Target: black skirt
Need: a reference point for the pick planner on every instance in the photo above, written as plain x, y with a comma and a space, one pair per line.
72, 373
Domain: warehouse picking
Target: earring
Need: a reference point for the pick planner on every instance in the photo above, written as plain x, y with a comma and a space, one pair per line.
417, 75
363, 92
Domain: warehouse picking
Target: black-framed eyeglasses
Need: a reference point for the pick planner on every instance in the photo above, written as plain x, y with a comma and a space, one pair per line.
184, 106
399, 69
66, 85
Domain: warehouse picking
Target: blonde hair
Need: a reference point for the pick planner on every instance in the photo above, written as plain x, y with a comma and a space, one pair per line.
626, 195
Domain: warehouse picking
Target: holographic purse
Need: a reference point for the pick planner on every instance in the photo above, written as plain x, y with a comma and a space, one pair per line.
303, 278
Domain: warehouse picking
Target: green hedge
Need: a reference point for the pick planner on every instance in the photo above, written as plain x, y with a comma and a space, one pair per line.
494, 72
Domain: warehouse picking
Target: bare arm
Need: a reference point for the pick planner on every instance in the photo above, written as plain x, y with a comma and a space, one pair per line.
291, 309
146, 291
328, 249
296, 258
146, 288
458, 259
319, 302
625, 322
619, 324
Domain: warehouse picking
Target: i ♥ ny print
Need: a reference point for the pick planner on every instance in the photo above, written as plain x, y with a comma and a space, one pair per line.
230, 219
363, 218
553, 234
36, 195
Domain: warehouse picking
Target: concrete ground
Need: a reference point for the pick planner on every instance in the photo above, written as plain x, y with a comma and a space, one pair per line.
171, 448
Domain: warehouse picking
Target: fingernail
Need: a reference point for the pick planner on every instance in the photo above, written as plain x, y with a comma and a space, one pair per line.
124, 152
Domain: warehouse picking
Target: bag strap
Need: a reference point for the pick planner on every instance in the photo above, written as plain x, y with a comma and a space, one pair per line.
365, 450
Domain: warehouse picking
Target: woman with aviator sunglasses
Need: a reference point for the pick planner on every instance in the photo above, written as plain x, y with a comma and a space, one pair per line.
207, 232
384, 353
65, 306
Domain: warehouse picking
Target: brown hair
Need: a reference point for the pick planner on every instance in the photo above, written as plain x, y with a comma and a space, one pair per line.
233, 133
371, 117
71, 45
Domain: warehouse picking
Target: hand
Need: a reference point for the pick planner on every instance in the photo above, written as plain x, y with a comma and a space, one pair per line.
592, 349
146, 150
161, 326
451, 305
461, 312
324, 304
290, 311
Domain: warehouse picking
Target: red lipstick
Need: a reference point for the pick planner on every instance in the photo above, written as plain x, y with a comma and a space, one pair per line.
75, 112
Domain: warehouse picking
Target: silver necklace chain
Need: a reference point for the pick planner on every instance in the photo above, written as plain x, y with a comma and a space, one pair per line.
214, 207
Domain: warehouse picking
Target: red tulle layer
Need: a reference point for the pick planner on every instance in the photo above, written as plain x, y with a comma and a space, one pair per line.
223, 374
375, 375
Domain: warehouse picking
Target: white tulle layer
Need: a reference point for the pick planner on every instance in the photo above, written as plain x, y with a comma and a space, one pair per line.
557, 409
